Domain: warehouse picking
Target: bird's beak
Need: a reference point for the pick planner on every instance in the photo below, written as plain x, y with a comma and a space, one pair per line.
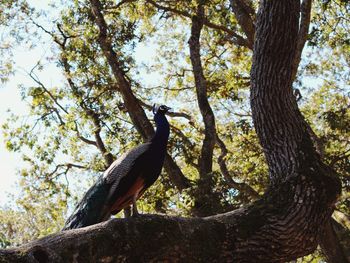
168, 109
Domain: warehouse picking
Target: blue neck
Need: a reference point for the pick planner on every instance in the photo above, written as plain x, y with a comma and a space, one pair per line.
162, 131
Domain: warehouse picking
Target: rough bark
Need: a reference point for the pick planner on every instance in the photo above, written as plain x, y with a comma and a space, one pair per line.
136, 113
299, 149
329, 241
281, 226
277, 119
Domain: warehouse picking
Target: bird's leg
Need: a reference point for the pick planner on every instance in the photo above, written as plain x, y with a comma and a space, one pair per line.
127, 212
134, 206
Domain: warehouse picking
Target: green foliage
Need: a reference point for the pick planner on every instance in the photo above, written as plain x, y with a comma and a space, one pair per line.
31, 220
13, 31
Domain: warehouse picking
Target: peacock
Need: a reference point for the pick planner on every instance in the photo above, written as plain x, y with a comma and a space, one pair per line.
126, 179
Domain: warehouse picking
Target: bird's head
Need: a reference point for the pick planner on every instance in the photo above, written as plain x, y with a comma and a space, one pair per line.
160, 109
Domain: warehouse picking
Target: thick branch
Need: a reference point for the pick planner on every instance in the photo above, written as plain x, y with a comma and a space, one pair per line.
203, 195
281, 128
277, 119
135, 111
273, 229
206, 157
144, 239
243, 13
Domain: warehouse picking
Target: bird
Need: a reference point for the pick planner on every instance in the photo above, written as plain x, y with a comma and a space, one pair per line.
126, 179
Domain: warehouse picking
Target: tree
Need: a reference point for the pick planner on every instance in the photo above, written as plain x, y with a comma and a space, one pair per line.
302, 188
11, 15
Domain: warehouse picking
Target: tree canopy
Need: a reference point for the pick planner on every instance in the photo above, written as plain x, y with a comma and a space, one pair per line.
119, 57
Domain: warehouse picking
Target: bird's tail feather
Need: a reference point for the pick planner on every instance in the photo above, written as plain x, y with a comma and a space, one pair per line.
91, 209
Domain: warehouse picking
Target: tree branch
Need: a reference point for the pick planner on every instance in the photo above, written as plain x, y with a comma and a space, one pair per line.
243, 13
206, 159
170, 113
205, 162
109, 158
272, 229
68, 166
281, 128
236, 39
99, 142
305, 11
95, 117
52, 97
188, 145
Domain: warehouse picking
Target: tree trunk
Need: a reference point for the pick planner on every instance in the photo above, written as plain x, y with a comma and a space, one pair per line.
281, 226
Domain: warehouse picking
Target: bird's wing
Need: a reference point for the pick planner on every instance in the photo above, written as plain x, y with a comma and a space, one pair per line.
93, 208
122, 166
118, 170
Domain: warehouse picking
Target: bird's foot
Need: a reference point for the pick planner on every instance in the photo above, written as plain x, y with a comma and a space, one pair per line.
135, 212
127, 212
136, 215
